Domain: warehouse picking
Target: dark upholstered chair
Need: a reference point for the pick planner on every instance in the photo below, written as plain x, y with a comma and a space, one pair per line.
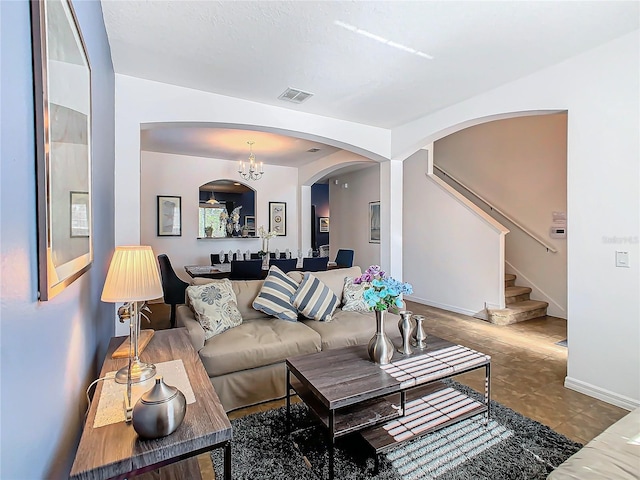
173, 288
284, 264
344, 258
215, 258
314, 264
246, 270
254, 256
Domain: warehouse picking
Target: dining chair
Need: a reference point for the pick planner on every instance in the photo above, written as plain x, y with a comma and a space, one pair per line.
254, 256
314, 264
215, 259
173, 288
246, 270
284, 264
344, 258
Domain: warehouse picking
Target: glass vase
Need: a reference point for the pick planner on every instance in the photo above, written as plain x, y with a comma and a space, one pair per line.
380, 348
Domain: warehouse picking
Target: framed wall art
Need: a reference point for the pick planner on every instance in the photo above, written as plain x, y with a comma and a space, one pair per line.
80, 214
62, 83
374, 222
250, 223
169, 216
324, 224
278, 218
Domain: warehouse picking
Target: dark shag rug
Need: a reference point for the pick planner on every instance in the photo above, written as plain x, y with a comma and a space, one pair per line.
511, 447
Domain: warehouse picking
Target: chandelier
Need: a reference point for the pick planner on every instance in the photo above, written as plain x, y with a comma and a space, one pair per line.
254, 171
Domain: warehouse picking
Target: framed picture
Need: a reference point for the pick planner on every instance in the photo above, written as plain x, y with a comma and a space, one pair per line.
62, 94
169, 216
250, 223
278, 218
324, 224
80, 214
374, 222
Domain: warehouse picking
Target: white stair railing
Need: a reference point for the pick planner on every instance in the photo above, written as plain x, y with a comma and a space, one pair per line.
550, 248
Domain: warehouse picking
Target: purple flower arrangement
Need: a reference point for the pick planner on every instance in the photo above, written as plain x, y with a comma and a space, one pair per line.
382, 292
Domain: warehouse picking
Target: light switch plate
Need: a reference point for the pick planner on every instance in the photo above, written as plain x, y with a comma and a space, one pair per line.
622, 259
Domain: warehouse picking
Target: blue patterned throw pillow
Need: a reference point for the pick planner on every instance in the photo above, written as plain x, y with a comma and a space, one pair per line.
215, 306
275, 295
314, 299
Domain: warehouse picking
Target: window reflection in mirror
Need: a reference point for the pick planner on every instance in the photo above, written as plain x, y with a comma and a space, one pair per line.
218, 201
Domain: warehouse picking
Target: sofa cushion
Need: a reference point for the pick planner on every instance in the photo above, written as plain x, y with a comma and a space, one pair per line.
275, 295
215, 307
246, 291
334, 279
352, 297
352, 328
256, 343
314, 299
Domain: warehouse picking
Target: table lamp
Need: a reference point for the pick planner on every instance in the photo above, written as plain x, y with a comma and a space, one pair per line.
133, 278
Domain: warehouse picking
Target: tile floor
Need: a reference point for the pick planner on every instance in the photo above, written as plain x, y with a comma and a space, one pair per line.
527, 370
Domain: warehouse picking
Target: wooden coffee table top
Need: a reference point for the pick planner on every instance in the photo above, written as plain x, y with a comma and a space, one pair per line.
346, 376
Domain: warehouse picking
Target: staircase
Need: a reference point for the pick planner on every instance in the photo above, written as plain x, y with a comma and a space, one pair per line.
519, 307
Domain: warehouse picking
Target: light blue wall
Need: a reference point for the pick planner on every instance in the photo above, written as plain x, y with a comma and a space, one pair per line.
49, 351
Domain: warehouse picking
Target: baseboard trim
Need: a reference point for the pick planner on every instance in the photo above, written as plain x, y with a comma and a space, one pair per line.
482, 315
613, 398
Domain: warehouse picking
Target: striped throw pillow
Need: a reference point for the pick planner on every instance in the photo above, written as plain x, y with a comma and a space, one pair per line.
275, 295
314, 299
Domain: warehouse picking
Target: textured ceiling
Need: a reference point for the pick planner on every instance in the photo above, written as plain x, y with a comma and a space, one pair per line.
229, 144
255, 49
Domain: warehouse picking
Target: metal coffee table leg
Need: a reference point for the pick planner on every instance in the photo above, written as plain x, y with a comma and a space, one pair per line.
288, 401
332, 442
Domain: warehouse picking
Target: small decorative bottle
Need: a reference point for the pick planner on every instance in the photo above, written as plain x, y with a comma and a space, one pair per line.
404, 325
418, 336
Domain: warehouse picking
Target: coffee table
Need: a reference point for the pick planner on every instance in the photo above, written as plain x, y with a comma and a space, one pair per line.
388, 404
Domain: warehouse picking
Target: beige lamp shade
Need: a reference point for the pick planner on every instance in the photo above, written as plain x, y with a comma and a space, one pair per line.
133, 275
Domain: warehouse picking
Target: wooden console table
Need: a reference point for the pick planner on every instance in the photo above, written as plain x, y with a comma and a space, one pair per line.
115, 451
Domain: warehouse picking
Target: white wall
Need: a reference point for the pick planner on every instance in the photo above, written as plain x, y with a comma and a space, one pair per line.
350, 214
181, 175
140, 101
600, 89
452, 252
50, 351
518, 165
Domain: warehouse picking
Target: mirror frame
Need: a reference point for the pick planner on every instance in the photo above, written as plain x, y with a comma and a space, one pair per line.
52, 278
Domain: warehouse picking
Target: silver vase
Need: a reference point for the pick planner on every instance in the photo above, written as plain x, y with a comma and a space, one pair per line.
418, 336
160, 411
404, 325
380, 347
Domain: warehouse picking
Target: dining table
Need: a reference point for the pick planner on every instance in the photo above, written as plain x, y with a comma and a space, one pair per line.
218, 270
223, 270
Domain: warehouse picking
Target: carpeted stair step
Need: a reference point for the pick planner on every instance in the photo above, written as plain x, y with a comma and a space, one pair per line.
509, 280
516, 294
518, 312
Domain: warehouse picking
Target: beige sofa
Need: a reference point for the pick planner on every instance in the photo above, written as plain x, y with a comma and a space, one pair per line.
246, 363
612, 455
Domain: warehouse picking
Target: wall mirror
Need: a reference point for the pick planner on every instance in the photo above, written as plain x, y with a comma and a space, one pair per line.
62, 82
226, 208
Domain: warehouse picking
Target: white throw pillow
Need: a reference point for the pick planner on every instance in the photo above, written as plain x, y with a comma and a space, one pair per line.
352, 296
215, 306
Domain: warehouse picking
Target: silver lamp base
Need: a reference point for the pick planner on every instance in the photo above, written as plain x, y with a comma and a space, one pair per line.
139, 372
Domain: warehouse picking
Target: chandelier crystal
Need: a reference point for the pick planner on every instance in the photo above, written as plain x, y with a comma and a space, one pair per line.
254, 171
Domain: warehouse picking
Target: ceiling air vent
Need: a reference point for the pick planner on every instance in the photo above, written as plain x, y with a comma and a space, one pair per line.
313, 150
294, 95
